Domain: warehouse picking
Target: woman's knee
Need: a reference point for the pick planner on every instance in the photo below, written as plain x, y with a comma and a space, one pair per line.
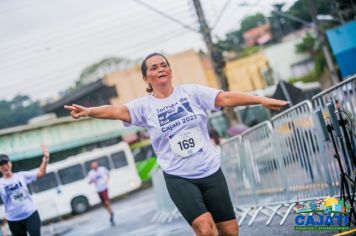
229, 228
204, 225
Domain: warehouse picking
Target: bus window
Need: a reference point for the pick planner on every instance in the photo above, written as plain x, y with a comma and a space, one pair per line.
102, 161
46, 182
71, 174
119, 159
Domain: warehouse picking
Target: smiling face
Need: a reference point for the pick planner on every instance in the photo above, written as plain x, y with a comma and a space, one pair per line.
6, 168
158, 73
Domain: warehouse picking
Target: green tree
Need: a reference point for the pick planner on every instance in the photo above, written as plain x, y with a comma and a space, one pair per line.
232, 42
18, 111
252, 21
300, 9
308, 45
311, 46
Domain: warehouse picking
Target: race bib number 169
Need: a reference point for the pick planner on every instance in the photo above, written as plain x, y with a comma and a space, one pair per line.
186, 143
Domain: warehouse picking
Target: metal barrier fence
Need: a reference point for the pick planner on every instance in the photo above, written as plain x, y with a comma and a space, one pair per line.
167, 210
281, 161
343, 97
298, 147
237, 167
252, 155
277, 163
343, 93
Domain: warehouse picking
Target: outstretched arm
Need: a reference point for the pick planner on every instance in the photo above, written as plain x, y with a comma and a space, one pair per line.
232, 99
120, 112
42, 170
91, 180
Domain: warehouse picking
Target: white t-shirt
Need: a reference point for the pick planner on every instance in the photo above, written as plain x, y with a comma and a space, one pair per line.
16, 196
99, 178
178, 130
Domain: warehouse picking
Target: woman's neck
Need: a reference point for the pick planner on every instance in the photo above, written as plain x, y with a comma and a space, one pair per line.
163, 92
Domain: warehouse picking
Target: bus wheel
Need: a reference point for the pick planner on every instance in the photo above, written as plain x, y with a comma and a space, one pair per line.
80, 205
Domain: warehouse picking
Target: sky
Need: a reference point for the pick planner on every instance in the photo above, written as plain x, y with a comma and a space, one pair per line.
45, 44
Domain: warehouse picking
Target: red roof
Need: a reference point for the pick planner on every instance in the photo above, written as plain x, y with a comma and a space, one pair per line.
257, 31
258, 35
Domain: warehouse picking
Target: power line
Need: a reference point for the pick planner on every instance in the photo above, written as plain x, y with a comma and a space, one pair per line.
98, 21
84, 40
84, 28
166, 15
251, 8
107, 28
214, 8
56, 79
28, 80
227, 18
61, 49
42, 84
24, 59
65, 72
221, 13
61, 53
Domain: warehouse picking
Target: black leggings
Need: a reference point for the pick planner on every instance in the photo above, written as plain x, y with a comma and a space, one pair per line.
194, 197
31, 224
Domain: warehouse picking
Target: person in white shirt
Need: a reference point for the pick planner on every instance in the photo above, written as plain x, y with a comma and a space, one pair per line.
99, 176
20, 210
177, 122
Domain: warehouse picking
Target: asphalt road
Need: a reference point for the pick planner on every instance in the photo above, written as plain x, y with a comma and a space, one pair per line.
133, 218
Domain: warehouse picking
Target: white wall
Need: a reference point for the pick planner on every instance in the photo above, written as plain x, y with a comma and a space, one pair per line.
282, 56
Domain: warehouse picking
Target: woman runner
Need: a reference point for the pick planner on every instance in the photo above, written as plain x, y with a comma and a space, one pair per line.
176, 120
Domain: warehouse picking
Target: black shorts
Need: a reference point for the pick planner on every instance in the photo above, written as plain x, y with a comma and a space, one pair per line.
31, 224
194, 197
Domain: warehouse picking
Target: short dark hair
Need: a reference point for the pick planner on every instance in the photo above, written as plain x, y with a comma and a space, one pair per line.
144, 67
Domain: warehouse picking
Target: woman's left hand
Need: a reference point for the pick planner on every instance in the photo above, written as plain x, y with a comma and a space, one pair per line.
273, 104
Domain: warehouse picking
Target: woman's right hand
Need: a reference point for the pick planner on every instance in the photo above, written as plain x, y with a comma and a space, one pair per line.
273, 104
77, 111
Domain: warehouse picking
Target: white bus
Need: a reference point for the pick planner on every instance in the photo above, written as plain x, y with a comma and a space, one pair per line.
65, 188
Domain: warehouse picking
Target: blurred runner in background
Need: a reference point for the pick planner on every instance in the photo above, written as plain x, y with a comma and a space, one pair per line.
20, 210
99, 176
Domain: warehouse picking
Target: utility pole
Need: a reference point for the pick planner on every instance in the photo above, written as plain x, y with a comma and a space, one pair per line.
215, 56
322, 39
213, 52
277, 19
